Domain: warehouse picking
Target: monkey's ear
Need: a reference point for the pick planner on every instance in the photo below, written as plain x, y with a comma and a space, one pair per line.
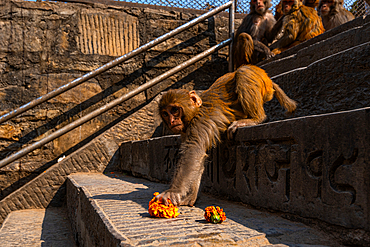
195, 99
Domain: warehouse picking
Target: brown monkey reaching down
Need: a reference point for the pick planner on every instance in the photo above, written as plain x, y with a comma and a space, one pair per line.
234, 100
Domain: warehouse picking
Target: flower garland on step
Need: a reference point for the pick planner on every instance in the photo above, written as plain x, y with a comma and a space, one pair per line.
158, 209
214, 214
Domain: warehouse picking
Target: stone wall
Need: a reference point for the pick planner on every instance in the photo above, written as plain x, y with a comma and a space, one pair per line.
44, 45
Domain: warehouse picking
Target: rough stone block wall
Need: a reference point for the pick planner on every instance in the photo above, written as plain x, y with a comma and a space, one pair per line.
44, 45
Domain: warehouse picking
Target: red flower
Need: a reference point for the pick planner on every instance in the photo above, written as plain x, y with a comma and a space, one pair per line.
214, 214
158, 209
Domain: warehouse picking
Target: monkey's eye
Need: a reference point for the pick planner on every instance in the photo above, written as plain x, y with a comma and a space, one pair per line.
175, 110
164, 114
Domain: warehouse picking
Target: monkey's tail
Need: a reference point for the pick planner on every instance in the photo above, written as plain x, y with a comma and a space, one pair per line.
289, 104
243, 50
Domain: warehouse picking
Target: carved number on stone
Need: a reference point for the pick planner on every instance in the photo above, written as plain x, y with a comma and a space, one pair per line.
342, 161
250, 163
314, 168
273, 158
171, 157
228, 163
270, 159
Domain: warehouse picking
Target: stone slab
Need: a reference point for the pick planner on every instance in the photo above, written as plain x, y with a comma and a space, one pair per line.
37, 227
121, 202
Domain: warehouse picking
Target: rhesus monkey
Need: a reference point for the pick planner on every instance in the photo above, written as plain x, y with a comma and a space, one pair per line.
252, 37
234, 100
311, 3
308, 3
299, 23
333, 13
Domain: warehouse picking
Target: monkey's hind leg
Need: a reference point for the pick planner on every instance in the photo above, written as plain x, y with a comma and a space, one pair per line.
249, 81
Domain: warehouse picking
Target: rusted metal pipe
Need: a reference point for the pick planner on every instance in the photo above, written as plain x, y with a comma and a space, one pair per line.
231, 34
111, 64
110, 105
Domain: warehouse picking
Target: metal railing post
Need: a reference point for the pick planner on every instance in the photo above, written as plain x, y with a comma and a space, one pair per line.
231, 34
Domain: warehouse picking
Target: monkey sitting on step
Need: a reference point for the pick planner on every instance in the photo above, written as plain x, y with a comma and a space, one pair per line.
234, 100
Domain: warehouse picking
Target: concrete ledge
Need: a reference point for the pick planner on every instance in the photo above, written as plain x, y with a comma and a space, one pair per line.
111, 210
316, 167
89, 223
101, 214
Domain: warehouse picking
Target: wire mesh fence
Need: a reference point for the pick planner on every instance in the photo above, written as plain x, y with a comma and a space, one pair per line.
357, 7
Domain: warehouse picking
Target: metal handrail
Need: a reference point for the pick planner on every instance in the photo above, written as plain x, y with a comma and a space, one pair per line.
231, 33
111, 64
112, 104
123, 98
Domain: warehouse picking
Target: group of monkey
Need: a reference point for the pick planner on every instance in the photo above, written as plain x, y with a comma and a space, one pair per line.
262, 35
236, 99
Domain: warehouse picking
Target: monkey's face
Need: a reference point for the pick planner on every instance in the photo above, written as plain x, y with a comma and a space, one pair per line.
172, 115
259, 6
287, 6
178, 107
326, 5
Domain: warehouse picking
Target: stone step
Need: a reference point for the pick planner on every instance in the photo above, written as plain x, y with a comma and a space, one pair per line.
336, 40
112, 210
37, 227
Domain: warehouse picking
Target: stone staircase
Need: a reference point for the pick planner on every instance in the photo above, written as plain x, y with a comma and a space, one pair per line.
317, 170
111, 210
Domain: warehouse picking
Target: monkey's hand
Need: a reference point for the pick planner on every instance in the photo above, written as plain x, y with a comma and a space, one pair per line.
276, 51
173, 195
236, 124
177, 197
263, 49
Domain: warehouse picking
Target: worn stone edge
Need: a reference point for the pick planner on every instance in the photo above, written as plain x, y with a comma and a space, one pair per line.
112, 235
239, 134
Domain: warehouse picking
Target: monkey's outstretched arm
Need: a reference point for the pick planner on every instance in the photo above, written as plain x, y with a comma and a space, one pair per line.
186, 181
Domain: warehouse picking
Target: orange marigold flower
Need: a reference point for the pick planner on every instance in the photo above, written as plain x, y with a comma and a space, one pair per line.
214, 214
158, 209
